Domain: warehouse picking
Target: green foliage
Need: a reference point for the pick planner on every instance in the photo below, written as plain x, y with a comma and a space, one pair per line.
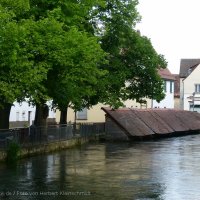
17, 7
76, 72
74, 54
18, 52
77, 53
133, 62
12, 152
142, 73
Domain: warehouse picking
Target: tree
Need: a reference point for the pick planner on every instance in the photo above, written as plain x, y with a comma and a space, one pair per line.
75, 52
63, 46
17, 61
132, 58
75, 70
49, 43
113, 23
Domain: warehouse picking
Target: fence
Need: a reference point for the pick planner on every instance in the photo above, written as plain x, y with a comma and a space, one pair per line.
43, 135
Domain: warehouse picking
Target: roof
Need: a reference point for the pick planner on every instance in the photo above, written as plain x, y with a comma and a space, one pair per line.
144, 122
166, 74
186, 65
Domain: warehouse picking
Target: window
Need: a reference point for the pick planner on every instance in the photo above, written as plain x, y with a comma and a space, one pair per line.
194, 108
171, 86
165, 86
17, 116
82, 114
23, 115
197, 88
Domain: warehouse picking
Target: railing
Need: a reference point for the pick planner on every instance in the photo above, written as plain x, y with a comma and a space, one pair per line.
42, 135
88, 130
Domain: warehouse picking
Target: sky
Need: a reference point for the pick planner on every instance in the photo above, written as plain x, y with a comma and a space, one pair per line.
173, 27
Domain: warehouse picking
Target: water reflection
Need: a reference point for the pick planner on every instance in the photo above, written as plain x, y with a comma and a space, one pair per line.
161, 170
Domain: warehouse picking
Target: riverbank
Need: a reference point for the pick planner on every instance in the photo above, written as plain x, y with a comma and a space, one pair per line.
40, 140
39, 149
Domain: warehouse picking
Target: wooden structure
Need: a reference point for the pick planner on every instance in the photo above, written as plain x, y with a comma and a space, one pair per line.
130, 124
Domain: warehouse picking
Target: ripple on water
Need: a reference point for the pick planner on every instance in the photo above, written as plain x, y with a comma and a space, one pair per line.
161, 170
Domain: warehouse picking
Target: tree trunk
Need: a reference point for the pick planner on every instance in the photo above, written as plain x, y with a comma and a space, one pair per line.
63, 116
41, 114
40, 122
4, 116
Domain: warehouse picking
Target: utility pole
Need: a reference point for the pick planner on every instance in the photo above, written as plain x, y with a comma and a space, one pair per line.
193, 96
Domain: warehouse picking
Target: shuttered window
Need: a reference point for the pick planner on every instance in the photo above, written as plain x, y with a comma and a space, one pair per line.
197, 88
165, 86
171, 86
82, 115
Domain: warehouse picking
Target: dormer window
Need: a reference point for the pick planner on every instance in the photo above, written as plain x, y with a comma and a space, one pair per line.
189, 71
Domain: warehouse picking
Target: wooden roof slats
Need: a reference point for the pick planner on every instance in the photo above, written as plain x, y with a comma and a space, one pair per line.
145, 122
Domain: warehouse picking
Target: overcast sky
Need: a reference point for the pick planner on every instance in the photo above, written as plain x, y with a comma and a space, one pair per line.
173, 27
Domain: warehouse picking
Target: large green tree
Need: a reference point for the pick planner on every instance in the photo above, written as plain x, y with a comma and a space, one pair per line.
132, 59
133, 62
17, 59
74, 52
51, 40
56, 49
75, 70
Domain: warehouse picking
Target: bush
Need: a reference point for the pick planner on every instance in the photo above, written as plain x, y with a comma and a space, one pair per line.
12, 152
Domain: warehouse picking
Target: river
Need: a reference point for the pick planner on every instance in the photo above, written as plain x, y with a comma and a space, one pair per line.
167, 169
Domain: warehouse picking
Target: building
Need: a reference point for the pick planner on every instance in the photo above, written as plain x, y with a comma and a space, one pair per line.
23, 114
169, 79
167, 102
190, 84
137, 124
95, 114
177, 91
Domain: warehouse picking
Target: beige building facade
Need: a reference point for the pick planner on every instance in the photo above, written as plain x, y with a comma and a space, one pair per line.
92, 115
96, 115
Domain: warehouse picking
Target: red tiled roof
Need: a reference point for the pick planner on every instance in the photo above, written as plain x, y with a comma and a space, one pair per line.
166, 74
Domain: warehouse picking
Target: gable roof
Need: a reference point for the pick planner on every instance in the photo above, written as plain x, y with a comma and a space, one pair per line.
166, 74
186, 65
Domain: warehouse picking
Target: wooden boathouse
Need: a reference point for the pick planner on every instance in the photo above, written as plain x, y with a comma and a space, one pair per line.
133, 124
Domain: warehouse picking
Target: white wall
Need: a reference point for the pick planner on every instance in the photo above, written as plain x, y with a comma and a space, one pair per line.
168, 101
189, 88
134, 104
20, 112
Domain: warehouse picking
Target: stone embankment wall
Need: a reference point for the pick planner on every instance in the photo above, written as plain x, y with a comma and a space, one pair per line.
39, 149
